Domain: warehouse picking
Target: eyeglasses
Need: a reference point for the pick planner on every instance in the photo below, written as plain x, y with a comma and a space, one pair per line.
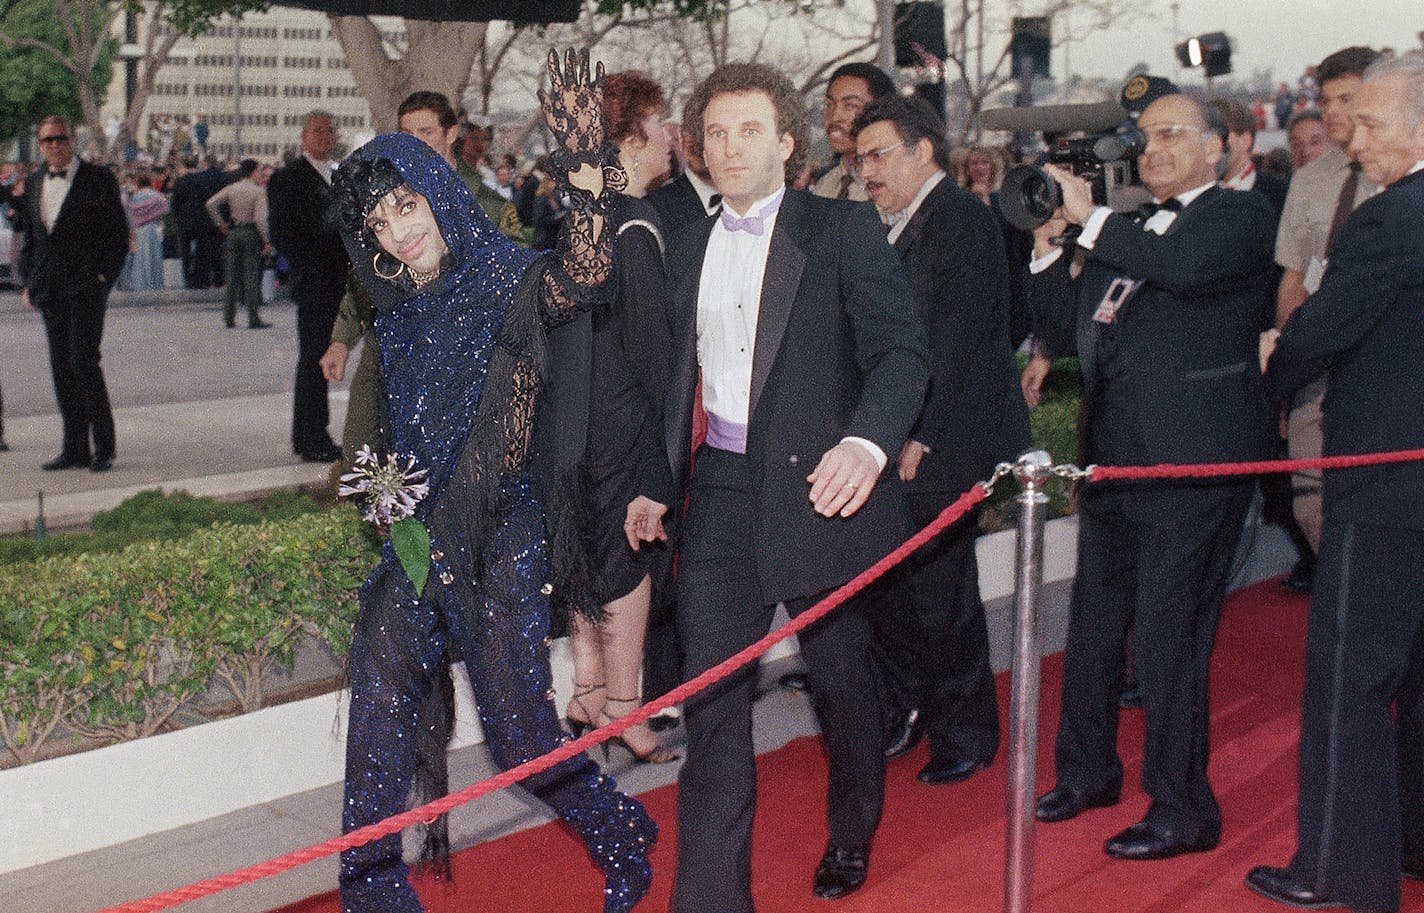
875, 155
1169, 134
54, 140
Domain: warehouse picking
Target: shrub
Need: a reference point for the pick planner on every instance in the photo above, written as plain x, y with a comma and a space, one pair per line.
154, 515
1054, 424
108, 646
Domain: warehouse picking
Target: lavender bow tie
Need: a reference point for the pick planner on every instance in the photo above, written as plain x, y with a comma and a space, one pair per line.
752, 225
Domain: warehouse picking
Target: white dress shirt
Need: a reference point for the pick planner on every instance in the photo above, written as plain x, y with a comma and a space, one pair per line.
1160, 221
1246, 180
728, 302
898, 220
53, 190
728, 305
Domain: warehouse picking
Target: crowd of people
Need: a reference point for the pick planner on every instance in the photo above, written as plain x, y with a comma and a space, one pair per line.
689, 341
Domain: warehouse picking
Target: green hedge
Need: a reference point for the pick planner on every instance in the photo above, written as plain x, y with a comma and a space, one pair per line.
108, 646
151, 515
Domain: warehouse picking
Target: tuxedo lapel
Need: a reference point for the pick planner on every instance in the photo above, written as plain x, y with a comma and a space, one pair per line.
33, 202
784, 264
77, 189
920, 219
1193, 208
687, 260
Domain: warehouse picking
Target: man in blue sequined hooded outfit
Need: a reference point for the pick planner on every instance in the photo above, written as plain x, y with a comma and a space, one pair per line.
462, 353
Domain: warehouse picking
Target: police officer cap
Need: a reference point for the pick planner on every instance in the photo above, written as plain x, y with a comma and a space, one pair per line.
1143, 90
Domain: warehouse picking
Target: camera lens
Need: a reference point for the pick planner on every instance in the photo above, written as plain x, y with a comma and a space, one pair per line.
1028, 197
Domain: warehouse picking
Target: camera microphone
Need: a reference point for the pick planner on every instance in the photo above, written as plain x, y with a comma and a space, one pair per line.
1055, 118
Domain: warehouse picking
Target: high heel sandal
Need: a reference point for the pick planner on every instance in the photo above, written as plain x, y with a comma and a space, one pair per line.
658, 754
577, 726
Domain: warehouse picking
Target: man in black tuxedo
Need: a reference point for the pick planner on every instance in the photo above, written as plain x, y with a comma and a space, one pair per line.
689, 197
1361, 808
931, 639
1165, 317
76, 238
812, 370
200, 241
297, 199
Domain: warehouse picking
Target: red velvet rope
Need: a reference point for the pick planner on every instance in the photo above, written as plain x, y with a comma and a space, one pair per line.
718, 672
1206, 470
509, 777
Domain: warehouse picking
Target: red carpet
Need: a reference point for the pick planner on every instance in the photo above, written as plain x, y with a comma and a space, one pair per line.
942, 848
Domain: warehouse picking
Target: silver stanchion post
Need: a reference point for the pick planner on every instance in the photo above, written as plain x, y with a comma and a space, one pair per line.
1032, 471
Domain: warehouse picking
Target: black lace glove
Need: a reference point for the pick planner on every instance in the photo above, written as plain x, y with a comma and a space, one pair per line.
584, 165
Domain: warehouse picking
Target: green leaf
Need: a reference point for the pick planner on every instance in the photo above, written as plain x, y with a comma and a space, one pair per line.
412, 544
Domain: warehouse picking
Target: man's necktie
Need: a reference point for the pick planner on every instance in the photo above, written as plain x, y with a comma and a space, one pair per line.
1344, 205
1150, 209
846, 180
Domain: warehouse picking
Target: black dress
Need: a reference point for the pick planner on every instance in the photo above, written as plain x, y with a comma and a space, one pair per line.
600, 422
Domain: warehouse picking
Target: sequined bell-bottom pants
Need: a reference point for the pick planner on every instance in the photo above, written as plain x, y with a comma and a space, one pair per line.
395, 654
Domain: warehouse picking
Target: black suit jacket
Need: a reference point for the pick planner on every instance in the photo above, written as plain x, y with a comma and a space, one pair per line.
83, 255
191, 193
1365, 327
297, 203
1187, 336
678, 205
838, 352
974, 416
1273, 189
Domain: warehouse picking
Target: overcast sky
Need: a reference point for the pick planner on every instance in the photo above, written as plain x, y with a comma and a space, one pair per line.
1282, 35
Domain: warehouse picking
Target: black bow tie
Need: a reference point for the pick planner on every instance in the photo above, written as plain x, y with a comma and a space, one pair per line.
57, 174
1148, 210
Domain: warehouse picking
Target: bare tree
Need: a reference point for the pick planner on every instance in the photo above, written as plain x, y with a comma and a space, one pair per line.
437, 56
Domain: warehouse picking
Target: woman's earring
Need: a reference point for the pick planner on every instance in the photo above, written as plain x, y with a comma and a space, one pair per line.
376, 268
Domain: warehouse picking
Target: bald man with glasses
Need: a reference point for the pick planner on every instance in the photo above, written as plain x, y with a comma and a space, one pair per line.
1164, 317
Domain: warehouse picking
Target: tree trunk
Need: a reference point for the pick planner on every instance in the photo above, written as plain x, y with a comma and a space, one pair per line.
155, 55
438, 58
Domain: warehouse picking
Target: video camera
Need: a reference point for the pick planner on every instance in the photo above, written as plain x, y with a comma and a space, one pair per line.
1099, 142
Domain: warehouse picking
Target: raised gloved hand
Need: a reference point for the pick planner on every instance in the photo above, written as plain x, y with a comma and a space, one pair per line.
573, 108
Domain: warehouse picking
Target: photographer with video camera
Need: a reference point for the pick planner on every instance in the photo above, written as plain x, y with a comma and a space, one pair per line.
1163, 312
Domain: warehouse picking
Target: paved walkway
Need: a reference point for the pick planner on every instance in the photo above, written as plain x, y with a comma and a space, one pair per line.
197, 407
207, 409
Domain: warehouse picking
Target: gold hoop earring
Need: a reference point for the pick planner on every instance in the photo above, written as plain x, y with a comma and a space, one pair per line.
376, 268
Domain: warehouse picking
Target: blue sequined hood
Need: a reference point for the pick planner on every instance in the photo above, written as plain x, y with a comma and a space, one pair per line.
436, 342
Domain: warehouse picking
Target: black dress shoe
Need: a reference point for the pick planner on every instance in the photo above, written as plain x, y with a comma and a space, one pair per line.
841, 871
330, 454
1145, 840
1283, 887
1063, 802
101, 463
951, 770
903, 732
65, 461
258, 325
1130, 697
